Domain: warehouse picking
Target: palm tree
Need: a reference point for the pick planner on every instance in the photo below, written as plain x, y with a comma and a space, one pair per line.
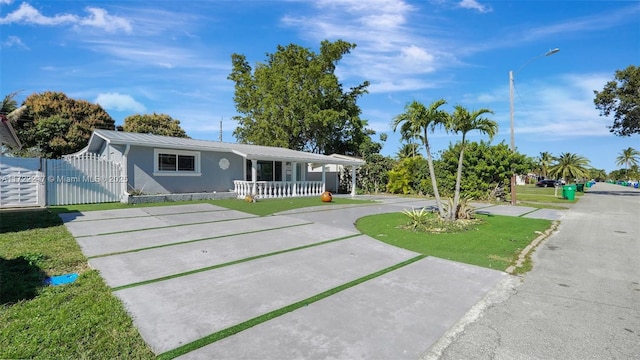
570, 166
629, 158
407, 150
544, 161
462, 121
418, 120
9, 103
597, 174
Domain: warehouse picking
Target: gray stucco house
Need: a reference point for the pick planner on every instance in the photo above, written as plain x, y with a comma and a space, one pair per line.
154, 164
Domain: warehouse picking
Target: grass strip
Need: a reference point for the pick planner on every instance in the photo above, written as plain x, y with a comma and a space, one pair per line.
168, 226
217, 336
151, 281
195, 240
528, 212
264, 207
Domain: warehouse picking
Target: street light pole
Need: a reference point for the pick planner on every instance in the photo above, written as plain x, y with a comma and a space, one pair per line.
511, 115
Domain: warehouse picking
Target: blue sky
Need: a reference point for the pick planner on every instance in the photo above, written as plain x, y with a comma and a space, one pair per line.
174, 57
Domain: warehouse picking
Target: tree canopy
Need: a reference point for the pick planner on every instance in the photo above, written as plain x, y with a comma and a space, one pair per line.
54, 124
158, 124
621, 96
294, 100
485, 167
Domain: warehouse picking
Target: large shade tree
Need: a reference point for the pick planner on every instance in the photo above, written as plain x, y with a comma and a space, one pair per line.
463, 121
621, 97
295, 100
53, 124
416, 122
569, 167
158, 124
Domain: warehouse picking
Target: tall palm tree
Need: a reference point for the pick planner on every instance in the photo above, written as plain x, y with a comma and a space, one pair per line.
570, 166
629, 157
462, 121
544, 161
419, 120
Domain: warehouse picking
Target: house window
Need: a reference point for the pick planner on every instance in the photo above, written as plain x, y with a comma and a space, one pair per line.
176, 163
266, 171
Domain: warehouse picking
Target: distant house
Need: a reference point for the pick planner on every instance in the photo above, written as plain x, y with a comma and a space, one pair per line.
154, 164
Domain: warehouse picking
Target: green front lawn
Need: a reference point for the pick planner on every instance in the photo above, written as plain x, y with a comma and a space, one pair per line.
74, 321
495, 243
530, 195
271, 206
262, 207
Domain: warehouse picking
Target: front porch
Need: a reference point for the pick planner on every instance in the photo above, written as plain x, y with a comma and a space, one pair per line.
281, 179
278, 189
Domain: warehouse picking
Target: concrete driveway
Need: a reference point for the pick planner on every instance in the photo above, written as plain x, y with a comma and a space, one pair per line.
186, 273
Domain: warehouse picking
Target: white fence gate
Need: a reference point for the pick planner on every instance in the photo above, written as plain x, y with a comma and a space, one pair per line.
21, 182
85, 179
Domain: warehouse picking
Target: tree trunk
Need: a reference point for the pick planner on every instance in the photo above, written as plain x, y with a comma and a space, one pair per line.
434, 182
456, 197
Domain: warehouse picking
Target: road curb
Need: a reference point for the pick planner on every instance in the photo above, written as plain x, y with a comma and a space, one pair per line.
523, 254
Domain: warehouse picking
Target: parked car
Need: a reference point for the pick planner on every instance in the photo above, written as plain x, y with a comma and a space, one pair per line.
548, 183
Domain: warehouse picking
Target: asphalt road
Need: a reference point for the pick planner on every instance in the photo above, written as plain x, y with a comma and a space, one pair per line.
580, 301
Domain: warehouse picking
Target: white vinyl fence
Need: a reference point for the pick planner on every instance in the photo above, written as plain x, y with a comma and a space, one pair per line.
21, 182
84, 179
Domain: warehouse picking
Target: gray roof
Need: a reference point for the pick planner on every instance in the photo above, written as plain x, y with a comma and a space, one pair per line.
247, 151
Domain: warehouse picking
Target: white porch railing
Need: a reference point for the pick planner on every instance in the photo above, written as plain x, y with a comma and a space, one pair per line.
278, 189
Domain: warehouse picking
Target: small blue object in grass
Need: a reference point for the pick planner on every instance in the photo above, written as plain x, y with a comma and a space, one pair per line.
61, 279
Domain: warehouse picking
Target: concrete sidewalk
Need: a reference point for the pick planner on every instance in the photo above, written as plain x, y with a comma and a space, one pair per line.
582, 299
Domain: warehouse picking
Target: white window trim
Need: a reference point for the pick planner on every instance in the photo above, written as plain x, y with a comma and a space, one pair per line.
195, 154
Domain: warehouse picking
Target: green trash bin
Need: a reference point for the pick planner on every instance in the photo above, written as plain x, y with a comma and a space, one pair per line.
580, 187
569, 192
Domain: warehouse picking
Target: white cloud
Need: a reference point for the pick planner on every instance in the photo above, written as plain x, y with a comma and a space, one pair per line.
14, 41
390, 53
7, 2
587, 23
29, 15
119, 102
97, 18
474, 5
157, 54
